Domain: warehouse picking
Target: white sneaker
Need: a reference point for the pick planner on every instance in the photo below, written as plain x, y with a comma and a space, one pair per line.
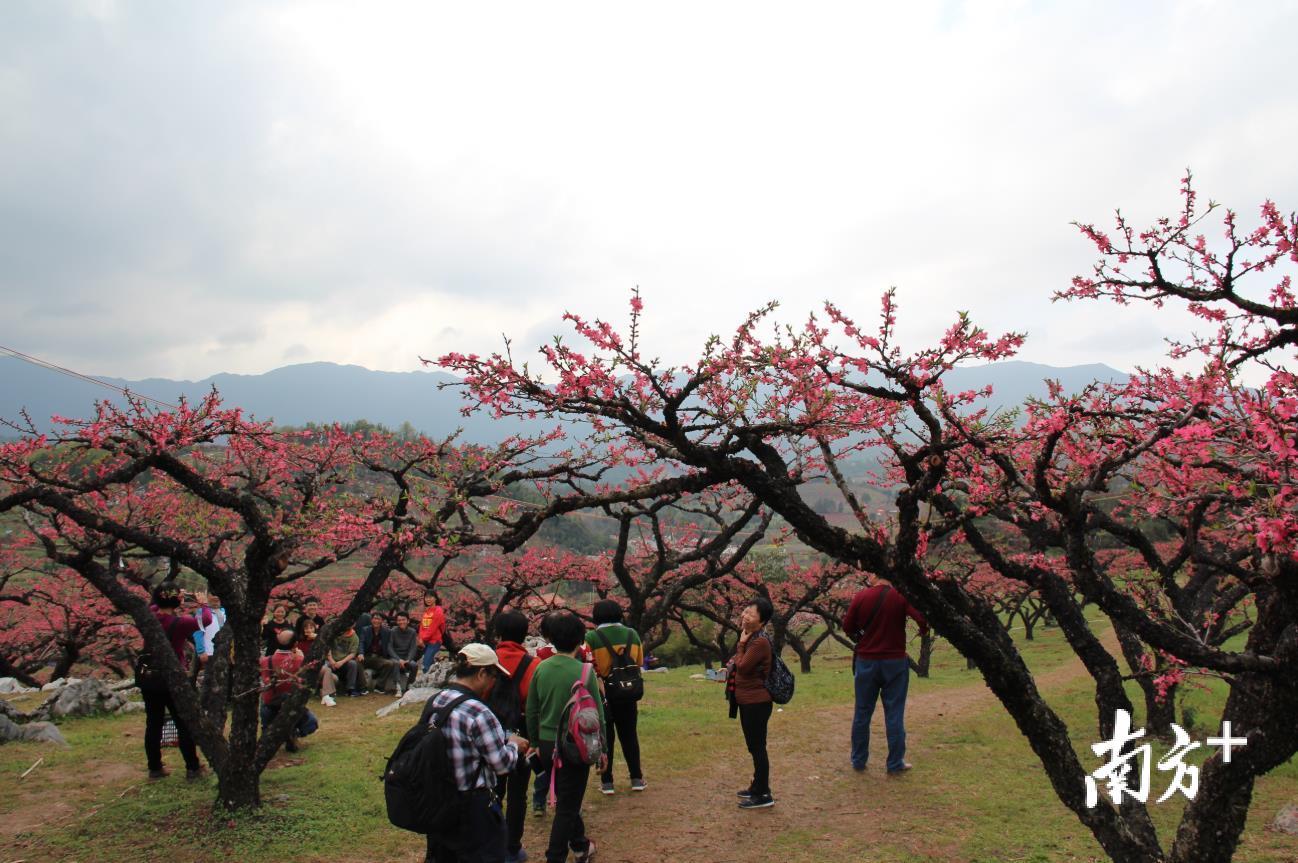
400, 692
328, 701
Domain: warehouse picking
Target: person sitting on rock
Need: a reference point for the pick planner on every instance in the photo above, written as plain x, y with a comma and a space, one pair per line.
341, 661
404, 649
374, 655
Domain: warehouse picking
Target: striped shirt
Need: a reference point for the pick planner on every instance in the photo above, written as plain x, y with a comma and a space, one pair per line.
477, 744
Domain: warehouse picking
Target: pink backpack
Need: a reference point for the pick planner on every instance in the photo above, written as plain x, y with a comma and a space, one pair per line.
580, 740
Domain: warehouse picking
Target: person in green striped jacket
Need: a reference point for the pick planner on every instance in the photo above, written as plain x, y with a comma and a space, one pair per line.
611, 634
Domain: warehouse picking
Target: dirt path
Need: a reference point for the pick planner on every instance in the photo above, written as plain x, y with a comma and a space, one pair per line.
824, 809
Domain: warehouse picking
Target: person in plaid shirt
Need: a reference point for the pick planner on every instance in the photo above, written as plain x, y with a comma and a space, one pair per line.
480, 751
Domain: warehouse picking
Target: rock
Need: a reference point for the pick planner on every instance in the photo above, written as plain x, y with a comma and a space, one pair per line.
7, 709
698, 677
1286, 820
131, 707
418, 695
81, 698
439, 676
53, 685
34, 732
123, 685
11, 686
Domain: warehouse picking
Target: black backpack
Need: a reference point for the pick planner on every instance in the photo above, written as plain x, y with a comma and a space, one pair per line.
779, 680
625, 681
419, 781
149, 676
506, 701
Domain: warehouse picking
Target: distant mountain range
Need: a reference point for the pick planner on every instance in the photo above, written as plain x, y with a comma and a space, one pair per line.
327, 392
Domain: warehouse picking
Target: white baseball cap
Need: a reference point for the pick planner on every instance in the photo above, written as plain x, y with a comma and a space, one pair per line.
481, 655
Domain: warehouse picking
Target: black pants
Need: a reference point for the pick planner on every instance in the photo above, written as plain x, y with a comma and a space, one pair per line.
754, 718
567, 830
156, 707
621, 719
512, 788
481, 838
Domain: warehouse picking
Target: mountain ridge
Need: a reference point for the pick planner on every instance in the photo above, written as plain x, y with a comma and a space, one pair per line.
324, 392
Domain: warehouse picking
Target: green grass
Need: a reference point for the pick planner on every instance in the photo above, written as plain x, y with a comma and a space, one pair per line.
978, 793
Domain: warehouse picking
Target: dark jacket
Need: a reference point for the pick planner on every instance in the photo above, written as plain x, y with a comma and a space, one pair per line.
368, 641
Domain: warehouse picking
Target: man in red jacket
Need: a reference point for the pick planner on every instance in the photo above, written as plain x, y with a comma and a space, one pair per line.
877, 620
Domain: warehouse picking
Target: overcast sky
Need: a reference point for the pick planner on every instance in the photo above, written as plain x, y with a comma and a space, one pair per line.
192, 188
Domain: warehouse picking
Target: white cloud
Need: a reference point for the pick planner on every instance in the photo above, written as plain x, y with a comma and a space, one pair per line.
369, 184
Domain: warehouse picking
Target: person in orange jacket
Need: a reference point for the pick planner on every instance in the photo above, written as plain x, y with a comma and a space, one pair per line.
432, 628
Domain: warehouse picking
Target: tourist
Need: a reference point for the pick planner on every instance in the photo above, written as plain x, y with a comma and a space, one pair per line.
205, 638
480, 750
158, 703
511, 629
310, 612
876, 619
541, 785
306, 636
374, 655
547, 695
608, 636
340, 662
404, 649
271, 629
279, 678
746, 689
432, 628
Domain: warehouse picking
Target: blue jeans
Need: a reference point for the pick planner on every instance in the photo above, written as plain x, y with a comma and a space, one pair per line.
888, 678
430, 651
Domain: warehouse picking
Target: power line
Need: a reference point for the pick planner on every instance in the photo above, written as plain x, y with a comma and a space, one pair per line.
54, 367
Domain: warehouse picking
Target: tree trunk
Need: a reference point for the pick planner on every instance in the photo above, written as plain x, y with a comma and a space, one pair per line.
922, 666
239, 785
238, 789
8, 669
67, 658
1261, 708
1029, 624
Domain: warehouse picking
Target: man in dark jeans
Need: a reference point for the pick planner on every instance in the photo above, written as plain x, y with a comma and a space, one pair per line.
877, 619
157, 698
547, 695
511, 630
610, 635
374, 655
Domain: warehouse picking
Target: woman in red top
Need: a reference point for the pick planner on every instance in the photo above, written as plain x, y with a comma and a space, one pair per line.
306, 640
157, 697
432, 628
749, 697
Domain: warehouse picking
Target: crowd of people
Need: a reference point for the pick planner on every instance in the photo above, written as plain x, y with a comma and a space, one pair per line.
516, 720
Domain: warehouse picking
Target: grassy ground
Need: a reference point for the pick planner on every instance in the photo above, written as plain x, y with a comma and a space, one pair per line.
977, 793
